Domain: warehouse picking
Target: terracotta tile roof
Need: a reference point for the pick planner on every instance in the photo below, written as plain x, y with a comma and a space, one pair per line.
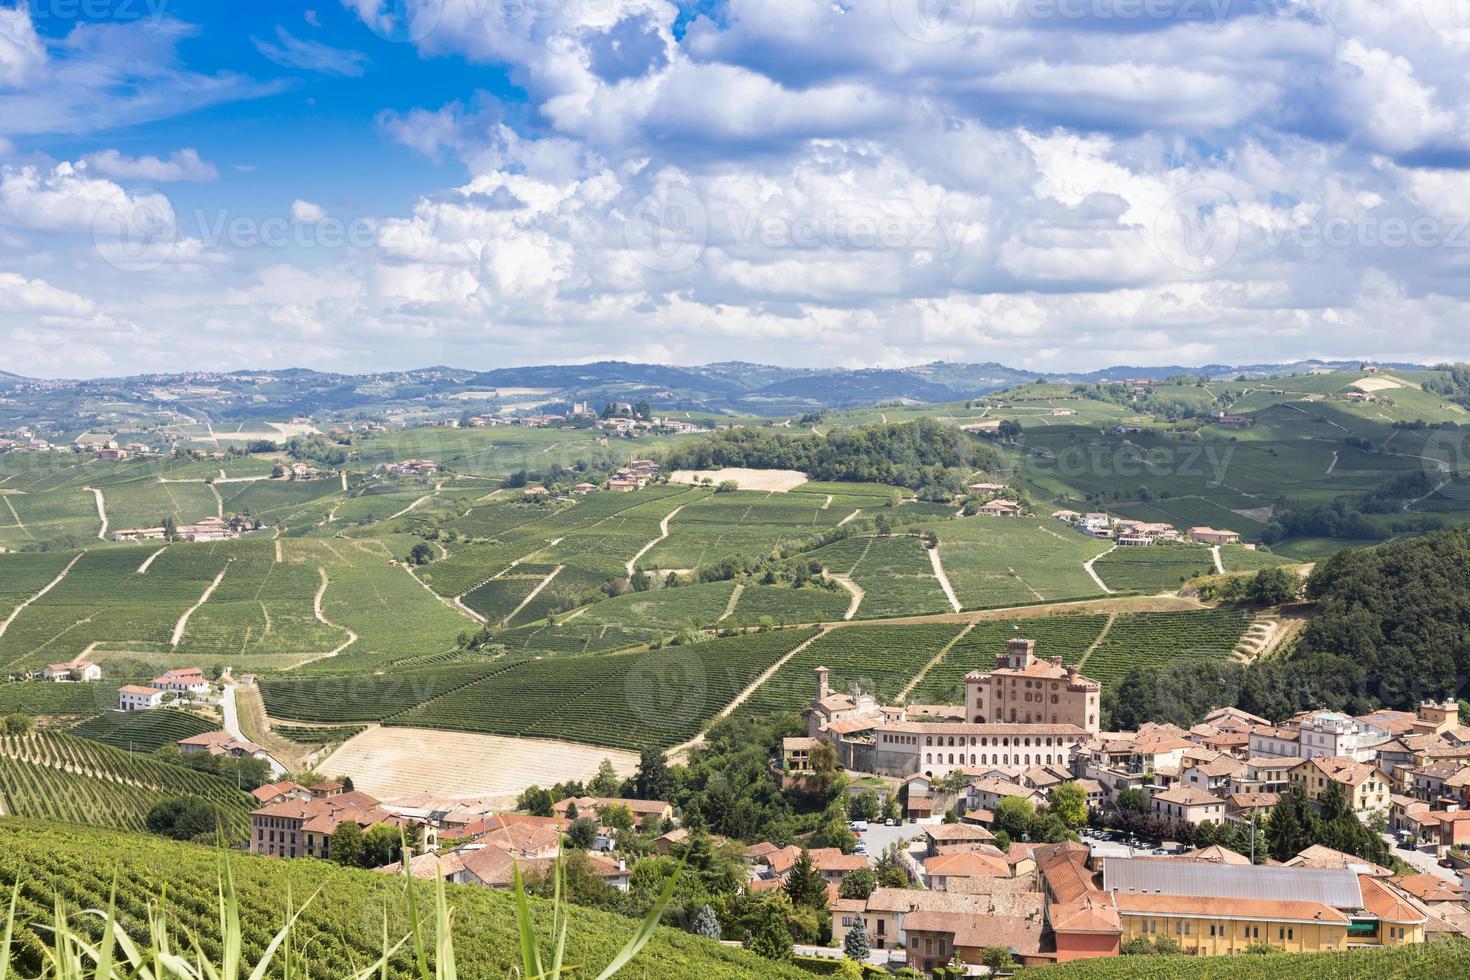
1252, 801
1343, 769
271, 790
1429, 888
952, 832
1319, 856
964, 864
978, 931
1066, 875
1096, 913
1215, 854
764, 849
832, 859
1388, 903
1187, 796
1209, 907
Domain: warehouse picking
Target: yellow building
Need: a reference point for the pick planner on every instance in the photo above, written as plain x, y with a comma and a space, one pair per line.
1364, 785
1216, 909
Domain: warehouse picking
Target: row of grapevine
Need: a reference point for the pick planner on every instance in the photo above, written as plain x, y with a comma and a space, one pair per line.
632, 700
1158, 638
142, 731
365, 697
880, 659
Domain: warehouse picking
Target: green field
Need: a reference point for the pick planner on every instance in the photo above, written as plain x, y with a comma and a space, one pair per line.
370, 697
342, 925
62, 778
1157, 638
142, 731
630, 700
1159, 568
1002, 561
744, 523
879, 659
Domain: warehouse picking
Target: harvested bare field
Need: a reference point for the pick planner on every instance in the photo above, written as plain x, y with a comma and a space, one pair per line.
386, 762
747, 479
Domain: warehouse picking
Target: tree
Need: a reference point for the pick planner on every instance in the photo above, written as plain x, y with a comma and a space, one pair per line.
420, 554
183, 818
760, 919
381, 845
1293, 826
653, 780
582, 834
855, 944
703, 922
1130, 800
1015, 816
997, 958
606, 782
347, 845
864, 806
822, 760
535, 801
1273, 586
858, 883
1069, 804
616, 815
804, 884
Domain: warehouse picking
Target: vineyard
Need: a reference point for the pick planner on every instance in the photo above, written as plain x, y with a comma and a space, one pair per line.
66, 779
340, 929
997, 561
1160, 568
143, 731
894, 572
740, 523
784, 604
48, 698
879, 659
1067, 637
1157, 638
631, 700
365, 697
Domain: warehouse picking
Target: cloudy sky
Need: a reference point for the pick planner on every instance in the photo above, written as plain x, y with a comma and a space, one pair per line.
375, 184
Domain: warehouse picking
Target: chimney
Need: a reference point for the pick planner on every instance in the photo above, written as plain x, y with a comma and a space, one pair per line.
822, 689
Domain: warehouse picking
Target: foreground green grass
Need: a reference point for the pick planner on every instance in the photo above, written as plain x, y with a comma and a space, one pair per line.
337, 934
1445, 958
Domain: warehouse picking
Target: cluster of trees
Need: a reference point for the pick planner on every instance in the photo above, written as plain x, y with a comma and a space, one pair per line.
318, 449
1295, 824
1268, 587
245, 772
1391, 628
926, 456
187, 818
1017, 819
380, 844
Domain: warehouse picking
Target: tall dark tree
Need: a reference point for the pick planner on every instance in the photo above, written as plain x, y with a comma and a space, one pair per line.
653, 780
804, 884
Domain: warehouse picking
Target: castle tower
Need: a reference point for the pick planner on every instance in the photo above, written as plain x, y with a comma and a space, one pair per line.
822, 689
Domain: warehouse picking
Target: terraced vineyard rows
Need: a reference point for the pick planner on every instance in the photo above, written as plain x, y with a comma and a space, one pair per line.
1158, 638
60, 777
359, 697
739, 523
1067, 637
881, 659
1161, 568
342, 926
52, 698
894, 571
785, 604
1000, 561
634, 700
142, 731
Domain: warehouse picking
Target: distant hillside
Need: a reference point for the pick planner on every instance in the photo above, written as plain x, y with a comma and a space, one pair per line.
729, 387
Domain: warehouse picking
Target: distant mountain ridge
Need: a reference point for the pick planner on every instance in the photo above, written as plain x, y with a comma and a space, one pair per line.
731, 387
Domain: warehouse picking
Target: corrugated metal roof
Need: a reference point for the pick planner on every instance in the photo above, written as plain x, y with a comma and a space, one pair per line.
1337, 887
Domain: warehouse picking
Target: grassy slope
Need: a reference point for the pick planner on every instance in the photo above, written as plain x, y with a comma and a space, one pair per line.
344, 923
1446, 958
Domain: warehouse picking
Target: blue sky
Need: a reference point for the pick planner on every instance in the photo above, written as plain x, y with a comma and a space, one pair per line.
375, 184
